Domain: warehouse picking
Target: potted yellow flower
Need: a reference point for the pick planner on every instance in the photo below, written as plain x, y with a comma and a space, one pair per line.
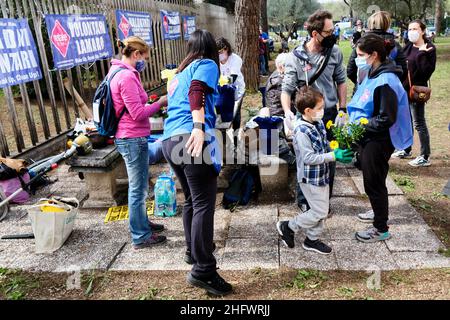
348, 135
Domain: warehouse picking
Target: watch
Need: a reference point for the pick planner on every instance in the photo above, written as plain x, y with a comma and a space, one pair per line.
199, 125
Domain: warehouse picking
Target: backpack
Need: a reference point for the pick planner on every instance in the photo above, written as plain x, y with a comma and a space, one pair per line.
104, 113
240, 189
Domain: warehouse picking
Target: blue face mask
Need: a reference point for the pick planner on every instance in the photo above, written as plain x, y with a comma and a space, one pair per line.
361, 63
140, 65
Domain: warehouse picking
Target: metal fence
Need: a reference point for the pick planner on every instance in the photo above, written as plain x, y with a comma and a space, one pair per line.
36, 112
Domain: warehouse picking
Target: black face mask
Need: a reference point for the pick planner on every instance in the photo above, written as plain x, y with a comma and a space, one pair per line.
329, 41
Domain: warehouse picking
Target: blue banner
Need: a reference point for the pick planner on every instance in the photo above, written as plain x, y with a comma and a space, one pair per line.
78, 39
188, 26
171, 25
138, 24
19, 61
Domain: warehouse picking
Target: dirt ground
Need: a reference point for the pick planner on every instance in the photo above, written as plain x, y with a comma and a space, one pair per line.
255, 284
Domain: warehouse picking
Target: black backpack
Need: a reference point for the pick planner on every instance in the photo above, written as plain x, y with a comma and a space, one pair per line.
243, 185
104, 113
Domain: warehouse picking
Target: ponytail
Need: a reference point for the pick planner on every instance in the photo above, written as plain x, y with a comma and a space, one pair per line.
131, 44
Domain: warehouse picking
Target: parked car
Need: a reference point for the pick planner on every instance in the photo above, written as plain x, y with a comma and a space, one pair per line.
430, 31
447, 31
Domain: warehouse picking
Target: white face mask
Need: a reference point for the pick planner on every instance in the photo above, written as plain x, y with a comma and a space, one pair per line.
413, 36
319, 115
223, 57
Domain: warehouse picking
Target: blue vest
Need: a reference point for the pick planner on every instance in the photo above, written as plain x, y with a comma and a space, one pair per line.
180, 120
362, 106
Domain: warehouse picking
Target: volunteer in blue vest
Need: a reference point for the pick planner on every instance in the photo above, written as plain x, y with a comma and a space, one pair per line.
383, 101
130, 101
190, 147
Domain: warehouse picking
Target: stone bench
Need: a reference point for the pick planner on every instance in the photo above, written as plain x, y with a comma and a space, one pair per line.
103, 169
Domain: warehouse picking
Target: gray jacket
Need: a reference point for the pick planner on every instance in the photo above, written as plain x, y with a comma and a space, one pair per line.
333, 75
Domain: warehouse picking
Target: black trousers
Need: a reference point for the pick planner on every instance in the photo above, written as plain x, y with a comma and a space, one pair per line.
374, 158
199, 184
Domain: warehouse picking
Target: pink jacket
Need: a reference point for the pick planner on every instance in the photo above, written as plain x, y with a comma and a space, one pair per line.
127, 91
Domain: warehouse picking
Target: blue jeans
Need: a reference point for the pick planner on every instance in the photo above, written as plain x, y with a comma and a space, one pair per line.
262, 64
135, 154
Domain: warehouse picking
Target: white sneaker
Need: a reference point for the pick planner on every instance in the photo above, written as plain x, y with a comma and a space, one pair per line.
401, 154
420, 161
366, 217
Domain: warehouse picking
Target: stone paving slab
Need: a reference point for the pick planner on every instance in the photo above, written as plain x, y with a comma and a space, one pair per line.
357, 177
355, 255
299, 258
246, 238
344, 187
244, 254
256, 222
420, 260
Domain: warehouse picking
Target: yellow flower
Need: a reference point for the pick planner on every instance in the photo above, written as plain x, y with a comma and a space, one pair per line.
330, 124
363, 121
334, 144
223, 81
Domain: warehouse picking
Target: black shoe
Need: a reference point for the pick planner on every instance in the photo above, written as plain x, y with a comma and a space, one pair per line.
156, 228
316, 246
188, 257
150, 242
215, 285
287, 235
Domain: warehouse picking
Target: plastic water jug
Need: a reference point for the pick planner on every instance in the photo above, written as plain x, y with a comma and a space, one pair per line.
165, 196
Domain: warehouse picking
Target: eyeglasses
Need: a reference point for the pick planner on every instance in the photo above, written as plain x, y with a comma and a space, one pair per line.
327, 33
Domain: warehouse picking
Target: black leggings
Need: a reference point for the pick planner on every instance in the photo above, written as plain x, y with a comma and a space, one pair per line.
199, 183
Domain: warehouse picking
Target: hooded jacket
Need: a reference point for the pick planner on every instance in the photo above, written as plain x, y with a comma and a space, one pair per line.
383, 101
333, 74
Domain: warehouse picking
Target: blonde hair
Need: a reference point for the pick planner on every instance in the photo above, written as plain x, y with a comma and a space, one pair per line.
380, 20
131, 44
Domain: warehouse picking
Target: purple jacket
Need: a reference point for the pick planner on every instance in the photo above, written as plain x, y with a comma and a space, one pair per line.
127, 91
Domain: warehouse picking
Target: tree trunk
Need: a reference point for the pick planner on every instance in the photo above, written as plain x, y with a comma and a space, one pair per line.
438, 17
264, 20
247, 14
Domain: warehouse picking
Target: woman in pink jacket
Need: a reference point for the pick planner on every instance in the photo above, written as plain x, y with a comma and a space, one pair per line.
130, 103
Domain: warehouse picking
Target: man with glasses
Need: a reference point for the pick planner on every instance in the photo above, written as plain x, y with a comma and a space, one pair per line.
317, 62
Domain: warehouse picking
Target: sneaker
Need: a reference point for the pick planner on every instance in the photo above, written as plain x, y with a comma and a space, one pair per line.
188, 256
420, 162
401, 154
287, 235
366, 217
372, 235
215, 285
316, 246
150, 242
156, 228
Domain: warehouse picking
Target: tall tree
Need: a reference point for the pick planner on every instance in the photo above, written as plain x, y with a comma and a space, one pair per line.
247, 15
264, 20
439, 16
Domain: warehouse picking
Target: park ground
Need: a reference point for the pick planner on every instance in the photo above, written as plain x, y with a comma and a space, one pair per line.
422, 187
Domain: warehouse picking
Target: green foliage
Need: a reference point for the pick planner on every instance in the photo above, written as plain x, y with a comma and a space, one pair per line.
309, 279
349, 134
14, 285
347, 291
405, 182
288, 11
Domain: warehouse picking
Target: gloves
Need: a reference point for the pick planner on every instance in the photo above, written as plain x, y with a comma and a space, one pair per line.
341, 118
289, 119
344, 156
